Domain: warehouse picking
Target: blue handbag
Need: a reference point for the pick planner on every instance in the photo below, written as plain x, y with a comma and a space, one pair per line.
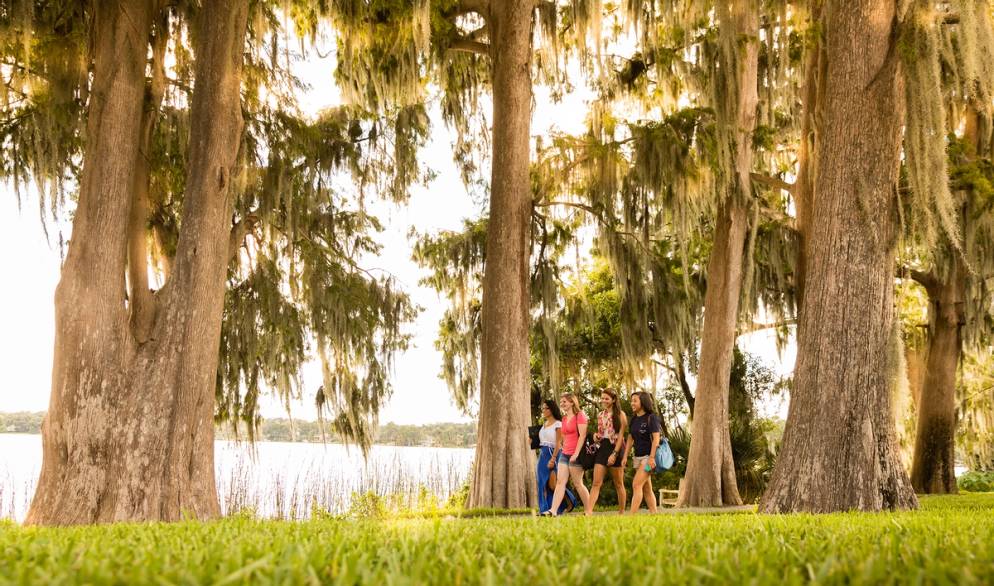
664, 456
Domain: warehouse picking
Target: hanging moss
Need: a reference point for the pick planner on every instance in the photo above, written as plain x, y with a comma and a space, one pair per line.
932, 205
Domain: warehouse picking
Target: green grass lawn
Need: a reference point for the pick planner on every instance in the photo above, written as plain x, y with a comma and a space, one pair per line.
951, 540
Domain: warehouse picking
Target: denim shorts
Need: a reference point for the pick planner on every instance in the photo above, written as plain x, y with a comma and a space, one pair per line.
564, 459
639, 462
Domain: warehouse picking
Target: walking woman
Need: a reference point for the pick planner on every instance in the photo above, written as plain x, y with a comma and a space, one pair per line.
611, 426
550, 439
644, 434
574, 432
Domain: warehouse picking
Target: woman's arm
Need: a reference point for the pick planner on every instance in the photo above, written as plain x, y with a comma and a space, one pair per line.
620, 442
628, 449
621, 433
581, 430
558, 448
652, 451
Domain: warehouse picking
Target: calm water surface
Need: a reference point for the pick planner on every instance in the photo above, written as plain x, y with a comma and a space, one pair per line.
278, 479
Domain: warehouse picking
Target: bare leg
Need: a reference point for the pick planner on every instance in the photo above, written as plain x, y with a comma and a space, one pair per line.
650, 497
576, 476
562, 475
595, 489
637, 492
618, 476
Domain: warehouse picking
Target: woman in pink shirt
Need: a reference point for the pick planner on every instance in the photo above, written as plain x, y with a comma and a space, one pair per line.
574, 432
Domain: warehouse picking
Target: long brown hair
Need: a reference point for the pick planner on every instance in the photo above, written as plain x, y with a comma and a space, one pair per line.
573, 401
615, 408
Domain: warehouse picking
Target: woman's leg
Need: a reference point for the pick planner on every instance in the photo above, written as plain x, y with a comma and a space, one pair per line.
618, 476
595, 488
542, 477
637, 482
576, 476
562, 475
650, 497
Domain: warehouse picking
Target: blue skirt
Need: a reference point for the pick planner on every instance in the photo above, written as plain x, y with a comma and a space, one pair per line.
544, 493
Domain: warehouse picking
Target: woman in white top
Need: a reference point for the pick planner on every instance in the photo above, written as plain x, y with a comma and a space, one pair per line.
550, 439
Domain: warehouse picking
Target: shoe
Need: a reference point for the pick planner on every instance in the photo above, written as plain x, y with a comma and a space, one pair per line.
570, 507
545, 514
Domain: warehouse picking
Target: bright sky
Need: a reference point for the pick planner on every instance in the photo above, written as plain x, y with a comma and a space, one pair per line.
30, 266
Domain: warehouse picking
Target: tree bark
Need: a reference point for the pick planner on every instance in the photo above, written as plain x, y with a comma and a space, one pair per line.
838, 449
91, 335
932, 468
141, 301
814, 78
503, 473
129, 434
710, 477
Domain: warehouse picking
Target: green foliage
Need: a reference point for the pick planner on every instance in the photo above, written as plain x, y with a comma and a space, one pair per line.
442, 435
975, 432
976, 481
366, 505
301, 229
949, 541
21, 422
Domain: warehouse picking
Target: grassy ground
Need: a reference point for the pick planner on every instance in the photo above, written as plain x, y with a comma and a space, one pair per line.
951, 540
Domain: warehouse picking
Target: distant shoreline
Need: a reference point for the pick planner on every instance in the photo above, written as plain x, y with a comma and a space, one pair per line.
439, 435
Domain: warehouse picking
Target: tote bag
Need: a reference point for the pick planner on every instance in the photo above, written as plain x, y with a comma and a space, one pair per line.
664, 456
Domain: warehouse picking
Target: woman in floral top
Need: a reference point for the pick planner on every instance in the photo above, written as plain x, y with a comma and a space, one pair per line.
611, 425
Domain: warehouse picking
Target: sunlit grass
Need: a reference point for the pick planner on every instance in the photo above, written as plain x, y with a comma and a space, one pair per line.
951, 540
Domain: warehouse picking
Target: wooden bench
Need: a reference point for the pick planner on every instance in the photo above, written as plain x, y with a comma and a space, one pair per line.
667, 497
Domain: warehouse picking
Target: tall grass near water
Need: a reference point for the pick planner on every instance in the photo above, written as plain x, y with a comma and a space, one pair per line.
285, 481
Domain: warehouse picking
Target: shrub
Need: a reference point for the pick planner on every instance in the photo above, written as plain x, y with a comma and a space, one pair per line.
976, 481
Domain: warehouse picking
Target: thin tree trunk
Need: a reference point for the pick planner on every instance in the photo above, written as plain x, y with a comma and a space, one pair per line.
933, 465
838, 448
710, 477
803, 192
503, 473
932, 469
141, 301
130, 435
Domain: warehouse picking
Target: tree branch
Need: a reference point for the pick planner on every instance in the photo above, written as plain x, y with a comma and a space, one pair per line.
924, 278
759, 326
238, 233
469, 46
478, 33
774, 182
481, 7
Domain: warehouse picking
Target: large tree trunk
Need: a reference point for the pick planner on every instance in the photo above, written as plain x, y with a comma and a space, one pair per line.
504, 474
932, 469
92, 341
838, 449
129, 433
710, 477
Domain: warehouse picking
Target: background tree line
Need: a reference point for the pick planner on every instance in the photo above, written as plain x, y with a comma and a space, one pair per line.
278, 429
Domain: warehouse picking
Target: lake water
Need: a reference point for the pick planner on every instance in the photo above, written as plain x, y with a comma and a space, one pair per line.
277, 479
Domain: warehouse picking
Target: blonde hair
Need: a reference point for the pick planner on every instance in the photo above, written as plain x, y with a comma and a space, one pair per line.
573, 401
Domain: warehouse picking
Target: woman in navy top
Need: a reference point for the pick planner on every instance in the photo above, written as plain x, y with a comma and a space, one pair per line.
644, 434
